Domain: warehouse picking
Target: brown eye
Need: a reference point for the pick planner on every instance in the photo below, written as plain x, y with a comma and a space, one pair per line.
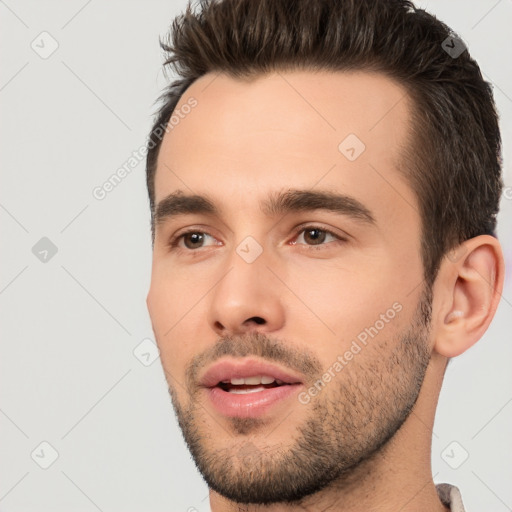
314, 235
193, 240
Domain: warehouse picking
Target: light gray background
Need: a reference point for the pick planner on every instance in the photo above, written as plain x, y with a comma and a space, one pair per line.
69, 326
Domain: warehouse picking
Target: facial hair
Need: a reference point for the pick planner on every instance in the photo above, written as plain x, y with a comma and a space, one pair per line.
349, 422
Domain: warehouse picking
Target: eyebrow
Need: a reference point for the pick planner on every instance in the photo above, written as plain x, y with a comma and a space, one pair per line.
278, 203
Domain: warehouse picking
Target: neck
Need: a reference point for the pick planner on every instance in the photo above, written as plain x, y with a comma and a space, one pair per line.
397, 477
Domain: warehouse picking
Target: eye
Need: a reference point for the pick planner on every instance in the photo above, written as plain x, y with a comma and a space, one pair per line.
192, 239
315, 235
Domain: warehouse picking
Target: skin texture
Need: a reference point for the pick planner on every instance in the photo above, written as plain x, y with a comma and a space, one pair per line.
363, 443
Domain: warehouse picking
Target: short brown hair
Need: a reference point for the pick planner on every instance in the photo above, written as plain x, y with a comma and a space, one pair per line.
454, 166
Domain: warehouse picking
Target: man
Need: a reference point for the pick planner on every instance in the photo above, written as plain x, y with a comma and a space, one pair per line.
324, 180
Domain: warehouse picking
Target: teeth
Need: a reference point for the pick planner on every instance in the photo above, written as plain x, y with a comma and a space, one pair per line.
253, 381
245, 391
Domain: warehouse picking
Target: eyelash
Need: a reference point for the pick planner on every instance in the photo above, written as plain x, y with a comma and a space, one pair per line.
173, 243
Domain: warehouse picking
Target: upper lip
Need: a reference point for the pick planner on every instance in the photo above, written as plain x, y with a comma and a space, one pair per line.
228, 369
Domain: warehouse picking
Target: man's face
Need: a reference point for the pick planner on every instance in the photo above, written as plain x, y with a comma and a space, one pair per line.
330, 300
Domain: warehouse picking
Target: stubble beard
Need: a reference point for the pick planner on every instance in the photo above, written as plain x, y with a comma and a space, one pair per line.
348, 423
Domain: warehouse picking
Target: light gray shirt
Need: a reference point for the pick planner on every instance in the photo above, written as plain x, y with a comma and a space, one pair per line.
450, 496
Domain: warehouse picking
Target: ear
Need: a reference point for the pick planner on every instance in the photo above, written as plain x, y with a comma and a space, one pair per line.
469, 286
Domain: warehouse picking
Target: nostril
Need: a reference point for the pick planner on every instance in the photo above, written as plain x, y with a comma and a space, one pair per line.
257, 319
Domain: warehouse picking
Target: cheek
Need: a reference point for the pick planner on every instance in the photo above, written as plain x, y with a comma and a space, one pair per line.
343, 303
160, 307
165, 311
174, 307
171, 296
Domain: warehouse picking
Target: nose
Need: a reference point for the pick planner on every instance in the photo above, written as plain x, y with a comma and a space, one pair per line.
247, 298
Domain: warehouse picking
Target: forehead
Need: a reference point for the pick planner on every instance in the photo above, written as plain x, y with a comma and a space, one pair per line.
293, 128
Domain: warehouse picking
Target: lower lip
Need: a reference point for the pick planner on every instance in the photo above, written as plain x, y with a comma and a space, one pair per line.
250, 405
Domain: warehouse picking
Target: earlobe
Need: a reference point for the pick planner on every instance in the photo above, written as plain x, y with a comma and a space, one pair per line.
472, 286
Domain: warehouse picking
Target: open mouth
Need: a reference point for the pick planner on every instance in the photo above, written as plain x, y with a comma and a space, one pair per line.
252, 395
250, 384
